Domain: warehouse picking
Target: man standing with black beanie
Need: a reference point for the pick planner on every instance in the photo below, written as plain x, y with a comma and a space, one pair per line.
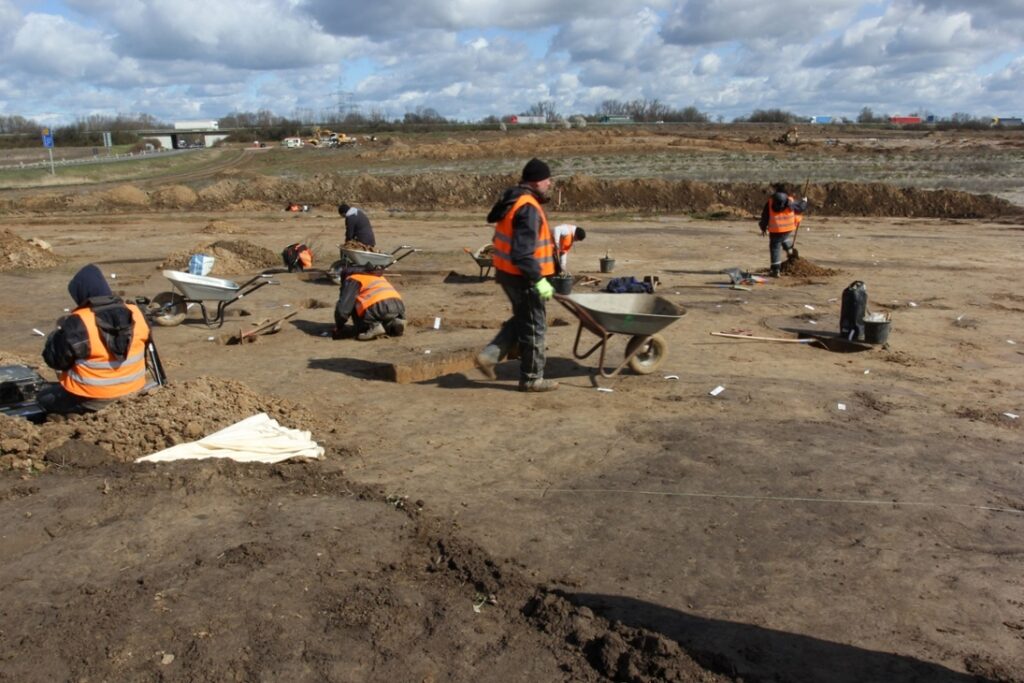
524, 257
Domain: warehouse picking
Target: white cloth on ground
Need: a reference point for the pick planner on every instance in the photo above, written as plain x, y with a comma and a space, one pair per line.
255, 439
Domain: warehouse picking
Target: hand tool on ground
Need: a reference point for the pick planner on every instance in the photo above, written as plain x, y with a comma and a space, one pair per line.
792, 254
769, 339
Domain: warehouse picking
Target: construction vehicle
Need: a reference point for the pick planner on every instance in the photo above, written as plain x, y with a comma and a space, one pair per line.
323, 137
790, 137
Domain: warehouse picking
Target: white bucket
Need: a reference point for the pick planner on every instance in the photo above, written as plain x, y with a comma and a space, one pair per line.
200, 264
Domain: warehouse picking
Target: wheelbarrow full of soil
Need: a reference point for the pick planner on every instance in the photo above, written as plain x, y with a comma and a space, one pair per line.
482, 257
170, 308
354, 259
640, 316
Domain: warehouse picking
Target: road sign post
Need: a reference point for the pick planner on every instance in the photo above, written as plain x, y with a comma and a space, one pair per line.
48, 144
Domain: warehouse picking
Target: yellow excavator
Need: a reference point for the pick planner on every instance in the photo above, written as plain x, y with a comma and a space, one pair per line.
322, 137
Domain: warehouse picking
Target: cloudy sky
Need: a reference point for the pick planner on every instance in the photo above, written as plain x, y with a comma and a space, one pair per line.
199, 59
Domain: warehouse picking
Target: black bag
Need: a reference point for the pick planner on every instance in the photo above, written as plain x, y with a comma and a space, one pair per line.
628, 285
851, 315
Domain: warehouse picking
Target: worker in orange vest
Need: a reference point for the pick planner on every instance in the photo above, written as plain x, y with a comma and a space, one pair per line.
524, 259
99, 350
377, 306
565, 236
780, 218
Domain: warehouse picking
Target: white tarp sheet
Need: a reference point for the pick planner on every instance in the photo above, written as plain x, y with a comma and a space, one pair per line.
255, 439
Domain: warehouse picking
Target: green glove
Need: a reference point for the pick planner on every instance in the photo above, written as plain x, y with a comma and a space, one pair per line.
544, 288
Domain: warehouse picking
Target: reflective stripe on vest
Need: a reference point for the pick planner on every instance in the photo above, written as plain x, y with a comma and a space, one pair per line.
101, 376
543, 253
372, 289
781, 221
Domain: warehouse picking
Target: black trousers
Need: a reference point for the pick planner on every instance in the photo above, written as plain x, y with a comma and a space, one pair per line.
527, 327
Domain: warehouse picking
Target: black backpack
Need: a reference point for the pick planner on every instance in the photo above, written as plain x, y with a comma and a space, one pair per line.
851, 315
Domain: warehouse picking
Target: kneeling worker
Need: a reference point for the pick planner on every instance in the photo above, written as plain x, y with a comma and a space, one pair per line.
99, 350
377, 306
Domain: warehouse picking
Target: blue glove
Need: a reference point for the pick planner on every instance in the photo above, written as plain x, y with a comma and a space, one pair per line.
544, 288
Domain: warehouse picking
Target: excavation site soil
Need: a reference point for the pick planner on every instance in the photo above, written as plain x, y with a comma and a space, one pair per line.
761, 506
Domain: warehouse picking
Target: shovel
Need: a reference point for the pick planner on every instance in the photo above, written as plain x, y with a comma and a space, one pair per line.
792, 254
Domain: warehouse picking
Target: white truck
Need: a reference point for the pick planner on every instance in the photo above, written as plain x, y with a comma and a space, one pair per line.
195, 125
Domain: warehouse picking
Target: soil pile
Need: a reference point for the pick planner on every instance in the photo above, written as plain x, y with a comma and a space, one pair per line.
18, 253
128, 429
579, 193
216, 227
356, 245
232, 257
126, 195
175, 196
801, 267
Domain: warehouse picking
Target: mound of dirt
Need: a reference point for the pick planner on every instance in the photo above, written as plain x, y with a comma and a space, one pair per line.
175, 196
18, 253
801, 267
126, 195
144, 424
217, 227
232, 257
579, 193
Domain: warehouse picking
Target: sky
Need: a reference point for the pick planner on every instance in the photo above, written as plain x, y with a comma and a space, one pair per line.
467, 59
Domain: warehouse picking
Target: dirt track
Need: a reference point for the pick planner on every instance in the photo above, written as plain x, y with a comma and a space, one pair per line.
765, 532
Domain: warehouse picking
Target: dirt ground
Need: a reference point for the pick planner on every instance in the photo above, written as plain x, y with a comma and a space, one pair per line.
827, 516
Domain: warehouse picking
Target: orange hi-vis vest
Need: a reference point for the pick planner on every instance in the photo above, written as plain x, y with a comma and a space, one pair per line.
786, 220
372, 289
565, 244
101, 376
544, 252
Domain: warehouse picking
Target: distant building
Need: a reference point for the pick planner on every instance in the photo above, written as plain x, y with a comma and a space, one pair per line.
616, 119
823, 119
905, 120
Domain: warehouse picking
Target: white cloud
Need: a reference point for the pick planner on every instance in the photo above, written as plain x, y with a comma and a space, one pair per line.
708, 65
472, 58
706, 22
389, 18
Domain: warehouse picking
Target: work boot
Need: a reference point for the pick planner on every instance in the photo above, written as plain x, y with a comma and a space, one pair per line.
396, 328
377, 330
486, 361
776, 270
538, 385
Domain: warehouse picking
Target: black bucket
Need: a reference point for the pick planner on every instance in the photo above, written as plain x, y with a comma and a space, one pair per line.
607, 265
877, 332
562, 284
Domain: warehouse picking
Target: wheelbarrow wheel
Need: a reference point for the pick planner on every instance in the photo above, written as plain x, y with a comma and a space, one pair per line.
334, 272
649, 353
168, 309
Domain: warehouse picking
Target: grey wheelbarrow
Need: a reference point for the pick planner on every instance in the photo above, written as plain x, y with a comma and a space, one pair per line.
641, 316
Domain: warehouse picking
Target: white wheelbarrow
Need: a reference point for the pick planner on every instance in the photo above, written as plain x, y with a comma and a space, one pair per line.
170, 308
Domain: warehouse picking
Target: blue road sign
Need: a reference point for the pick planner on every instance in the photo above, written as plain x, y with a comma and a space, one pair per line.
47, 138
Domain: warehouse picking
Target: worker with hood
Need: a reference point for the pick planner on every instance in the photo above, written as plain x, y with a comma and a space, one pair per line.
780, 219
524, 259
99, 350
376, 305
357, 225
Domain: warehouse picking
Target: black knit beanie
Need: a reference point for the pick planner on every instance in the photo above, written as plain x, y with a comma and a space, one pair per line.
535, 171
